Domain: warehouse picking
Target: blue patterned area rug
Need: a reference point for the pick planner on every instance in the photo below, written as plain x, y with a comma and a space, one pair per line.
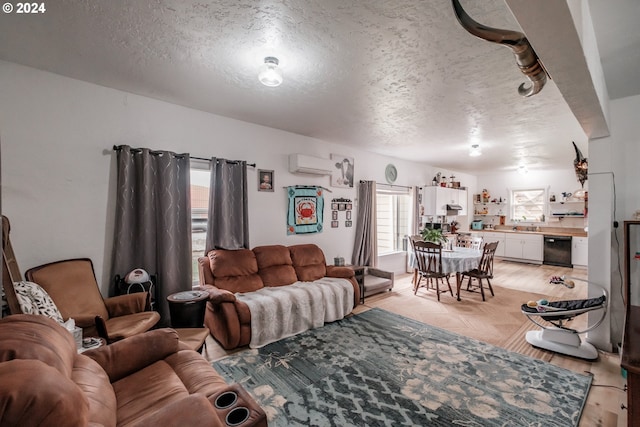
381, 369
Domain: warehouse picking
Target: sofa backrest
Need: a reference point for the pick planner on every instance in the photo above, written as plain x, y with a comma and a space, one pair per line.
44, 380
275, 266
308, 261
235, 270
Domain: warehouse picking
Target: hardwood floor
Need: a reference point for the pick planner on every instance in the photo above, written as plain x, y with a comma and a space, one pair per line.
499, 321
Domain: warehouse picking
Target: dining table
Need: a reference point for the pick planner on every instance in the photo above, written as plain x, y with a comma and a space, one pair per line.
455, 260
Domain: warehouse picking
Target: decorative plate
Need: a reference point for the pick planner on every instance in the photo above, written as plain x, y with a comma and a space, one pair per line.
391, 173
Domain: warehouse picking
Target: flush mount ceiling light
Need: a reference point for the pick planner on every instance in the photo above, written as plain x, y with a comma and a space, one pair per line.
475, 150
270, 75
522, 170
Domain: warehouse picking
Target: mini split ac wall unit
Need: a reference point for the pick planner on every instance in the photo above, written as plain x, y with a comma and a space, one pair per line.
302, 163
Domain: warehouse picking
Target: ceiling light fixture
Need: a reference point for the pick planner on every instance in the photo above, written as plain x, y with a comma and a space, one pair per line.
475, 150
270, 75
522, 170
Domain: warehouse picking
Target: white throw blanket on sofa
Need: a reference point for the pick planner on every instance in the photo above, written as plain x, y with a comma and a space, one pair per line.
284, 311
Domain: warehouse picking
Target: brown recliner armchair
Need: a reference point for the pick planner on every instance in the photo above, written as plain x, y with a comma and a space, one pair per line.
72, 286
145, 380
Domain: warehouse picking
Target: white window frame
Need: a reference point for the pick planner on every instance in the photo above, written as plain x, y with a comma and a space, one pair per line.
383, 189
513, 204
199, 166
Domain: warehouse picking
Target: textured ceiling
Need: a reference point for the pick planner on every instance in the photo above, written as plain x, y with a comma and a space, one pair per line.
400, 78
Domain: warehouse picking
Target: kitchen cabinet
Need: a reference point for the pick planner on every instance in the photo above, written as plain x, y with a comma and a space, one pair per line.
493, 236
435, 200
523, 247
579, 251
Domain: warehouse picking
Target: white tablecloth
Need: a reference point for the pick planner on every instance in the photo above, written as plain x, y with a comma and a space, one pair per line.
458, 260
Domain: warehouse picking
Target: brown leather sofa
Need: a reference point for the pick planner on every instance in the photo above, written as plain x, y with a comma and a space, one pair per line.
225, 272
143, 380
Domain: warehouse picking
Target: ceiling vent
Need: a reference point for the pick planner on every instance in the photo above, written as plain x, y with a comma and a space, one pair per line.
301, 163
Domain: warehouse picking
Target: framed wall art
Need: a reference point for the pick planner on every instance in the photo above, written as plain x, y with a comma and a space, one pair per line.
265, 180
342, 173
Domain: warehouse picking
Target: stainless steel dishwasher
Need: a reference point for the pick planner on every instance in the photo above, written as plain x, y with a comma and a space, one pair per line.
557, 251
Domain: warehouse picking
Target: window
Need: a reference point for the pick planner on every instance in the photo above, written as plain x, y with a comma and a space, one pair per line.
528, 205
200, 179
394, 218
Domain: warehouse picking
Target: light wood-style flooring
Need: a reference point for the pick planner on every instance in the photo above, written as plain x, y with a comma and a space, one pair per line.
499, 321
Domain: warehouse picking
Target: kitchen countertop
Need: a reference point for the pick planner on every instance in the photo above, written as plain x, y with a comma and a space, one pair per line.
551, 231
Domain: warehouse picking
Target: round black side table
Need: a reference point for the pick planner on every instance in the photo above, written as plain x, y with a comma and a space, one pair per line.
187, 308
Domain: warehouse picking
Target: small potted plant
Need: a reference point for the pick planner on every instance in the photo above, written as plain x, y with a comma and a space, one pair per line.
433, 235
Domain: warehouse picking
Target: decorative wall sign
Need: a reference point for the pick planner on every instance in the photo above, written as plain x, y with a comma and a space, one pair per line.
306, 205
339, 205
342, 175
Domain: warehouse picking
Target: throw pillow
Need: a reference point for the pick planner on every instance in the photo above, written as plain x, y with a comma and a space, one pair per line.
35, 300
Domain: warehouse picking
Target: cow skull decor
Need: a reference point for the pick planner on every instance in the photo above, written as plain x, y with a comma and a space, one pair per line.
580, 165
526, 57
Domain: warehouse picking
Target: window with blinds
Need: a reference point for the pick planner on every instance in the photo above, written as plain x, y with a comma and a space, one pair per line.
528, 205
393, 217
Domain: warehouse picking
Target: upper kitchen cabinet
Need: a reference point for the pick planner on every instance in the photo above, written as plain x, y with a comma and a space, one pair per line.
436, 201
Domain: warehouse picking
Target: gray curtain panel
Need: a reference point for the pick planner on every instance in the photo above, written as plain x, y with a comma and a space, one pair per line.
365, 248
417, 219
153, 220
228, 219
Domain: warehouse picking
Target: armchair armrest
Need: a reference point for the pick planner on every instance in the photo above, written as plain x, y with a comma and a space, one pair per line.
380, 273
193, 410
340, 272
126, 304
217, 295
86, 321
131, 354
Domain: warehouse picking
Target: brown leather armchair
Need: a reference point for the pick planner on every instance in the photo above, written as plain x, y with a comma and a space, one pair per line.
145, 380
72, 285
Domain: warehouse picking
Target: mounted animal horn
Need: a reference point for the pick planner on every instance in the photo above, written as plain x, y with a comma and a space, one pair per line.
526, 57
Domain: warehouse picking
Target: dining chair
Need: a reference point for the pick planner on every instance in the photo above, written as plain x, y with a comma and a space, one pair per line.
463, 241
429, 259
476, 243
412, 239
484, 271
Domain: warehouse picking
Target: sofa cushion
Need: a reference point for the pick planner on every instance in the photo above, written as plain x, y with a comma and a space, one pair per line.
96, 387
275, 266
146, 391
308, 261
235, 270
25, 336
34, 394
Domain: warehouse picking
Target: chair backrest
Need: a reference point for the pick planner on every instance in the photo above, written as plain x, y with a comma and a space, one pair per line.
463, 241
72, 285
429, 257
486, 262
412, 239
476, 243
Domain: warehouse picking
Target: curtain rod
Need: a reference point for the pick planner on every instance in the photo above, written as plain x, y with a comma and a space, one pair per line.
391, 185
138, 150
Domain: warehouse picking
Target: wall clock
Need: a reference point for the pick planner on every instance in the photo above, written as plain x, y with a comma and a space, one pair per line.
391, 173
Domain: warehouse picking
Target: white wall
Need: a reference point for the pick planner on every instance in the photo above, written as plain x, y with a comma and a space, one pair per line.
58, 167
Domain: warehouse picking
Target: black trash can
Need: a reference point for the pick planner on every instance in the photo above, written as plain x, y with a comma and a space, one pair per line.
187, 308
